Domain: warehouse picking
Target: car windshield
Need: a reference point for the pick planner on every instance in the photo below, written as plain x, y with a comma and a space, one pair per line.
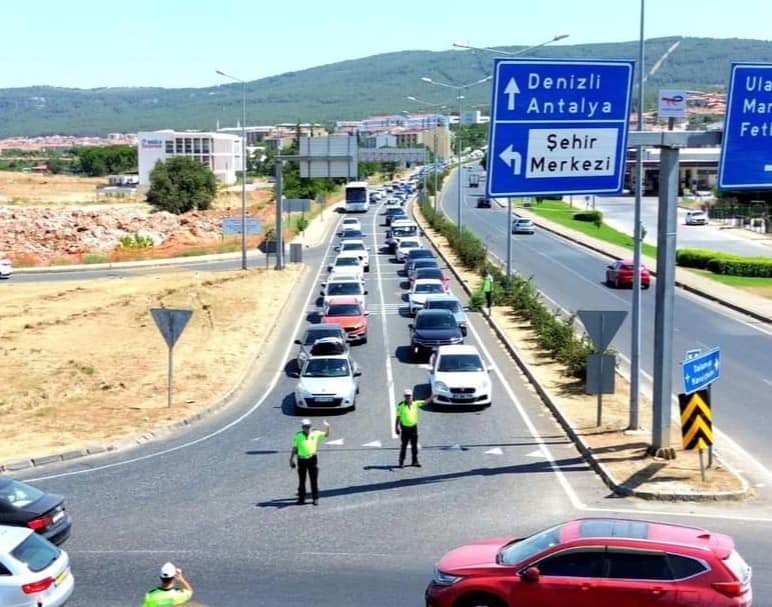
524, 549
344, 310
347, 261
351, 234
18, 494
420, 254
432, 273
408, 244
326, 367
429, 288
353, 246
443, 305
344, 288
402, 232
36, 552
316, 334
459, 363
435, 321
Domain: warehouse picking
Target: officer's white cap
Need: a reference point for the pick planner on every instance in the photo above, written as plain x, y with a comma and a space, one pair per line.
168, 571
408, 392
305, 422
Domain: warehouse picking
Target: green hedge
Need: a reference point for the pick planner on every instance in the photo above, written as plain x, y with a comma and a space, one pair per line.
724, 263
556, 334
589, 216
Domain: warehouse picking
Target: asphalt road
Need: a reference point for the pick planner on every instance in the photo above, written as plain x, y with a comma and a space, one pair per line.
618, 213
573, 278
219, 499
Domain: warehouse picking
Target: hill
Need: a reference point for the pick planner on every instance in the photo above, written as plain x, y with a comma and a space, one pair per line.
346, 90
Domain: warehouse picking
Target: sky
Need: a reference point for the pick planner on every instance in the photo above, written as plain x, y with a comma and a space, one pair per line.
181, 43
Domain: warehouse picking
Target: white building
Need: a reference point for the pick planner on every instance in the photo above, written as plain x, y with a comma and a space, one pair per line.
221, 152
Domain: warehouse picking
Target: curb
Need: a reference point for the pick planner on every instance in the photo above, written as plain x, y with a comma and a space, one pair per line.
162, 431
586, 451
685, 286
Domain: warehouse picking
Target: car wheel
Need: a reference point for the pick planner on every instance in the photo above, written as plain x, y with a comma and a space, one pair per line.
645, 286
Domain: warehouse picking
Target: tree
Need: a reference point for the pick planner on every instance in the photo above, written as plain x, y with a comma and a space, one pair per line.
107, 160
181, 184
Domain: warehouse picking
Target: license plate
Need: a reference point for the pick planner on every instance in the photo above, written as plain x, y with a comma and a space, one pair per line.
324, 399
465, 396
58, 516
61, 577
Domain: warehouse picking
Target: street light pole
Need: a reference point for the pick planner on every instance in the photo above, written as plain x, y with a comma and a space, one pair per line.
439, 106
635, 342
243, 166
522, 51
458, 88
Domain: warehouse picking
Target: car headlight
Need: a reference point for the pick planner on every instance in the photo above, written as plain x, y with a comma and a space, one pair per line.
444, 579
441, 386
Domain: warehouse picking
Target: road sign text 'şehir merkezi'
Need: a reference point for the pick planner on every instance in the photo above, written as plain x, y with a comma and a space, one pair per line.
558, 126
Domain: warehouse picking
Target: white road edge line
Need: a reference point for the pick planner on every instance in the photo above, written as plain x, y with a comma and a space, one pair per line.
567, 488
389, 374
226, 427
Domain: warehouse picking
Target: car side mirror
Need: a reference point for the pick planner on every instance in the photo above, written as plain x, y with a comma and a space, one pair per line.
321, 292
489, 368
531, 574
366, 313
365, 292
427, 367
410, 326
357, 373
298, 342
329, 268
610, 267
466, 308
337, 248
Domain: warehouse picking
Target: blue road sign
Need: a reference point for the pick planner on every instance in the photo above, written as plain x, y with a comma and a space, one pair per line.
701, 371
232, 225
746, 153
558, 126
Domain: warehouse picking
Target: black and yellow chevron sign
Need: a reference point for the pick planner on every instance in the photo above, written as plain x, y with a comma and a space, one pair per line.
696, 420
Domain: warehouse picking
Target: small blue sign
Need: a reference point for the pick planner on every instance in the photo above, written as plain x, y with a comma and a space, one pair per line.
558, 126
701, 371
746, 152
232, 225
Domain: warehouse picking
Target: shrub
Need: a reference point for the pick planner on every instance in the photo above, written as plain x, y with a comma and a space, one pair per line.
135, 241
595, 217
723, 263
695, 258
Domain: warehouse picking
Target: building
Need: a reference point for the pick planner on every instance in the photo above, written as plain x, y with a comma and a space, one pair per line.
221, 152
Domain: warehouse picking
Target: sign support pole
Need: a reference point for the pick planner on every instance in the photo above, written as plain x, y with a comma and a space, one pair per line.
702, 464
665, 303
279, 226
710, 447
170, 377
509, 243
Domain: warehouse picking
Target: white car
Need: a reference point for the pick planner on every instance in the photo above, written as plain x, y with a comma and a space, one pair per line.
350, 223
351, 244
347, 262
459, 376
696, 218
350, 287
328, 382
421, 289
404, 246
33, 571
6, 269
393, 201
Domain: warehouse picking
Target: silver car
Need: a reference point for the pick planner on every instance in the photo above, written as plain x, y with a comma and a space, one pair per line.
522, 226
328, 382
313, 334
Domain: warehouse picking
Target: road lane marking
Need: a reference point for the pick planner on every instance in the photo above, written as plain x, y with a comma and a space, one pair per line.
269, 390
494, 451
387, 348
337, 441
538, 453
375, 443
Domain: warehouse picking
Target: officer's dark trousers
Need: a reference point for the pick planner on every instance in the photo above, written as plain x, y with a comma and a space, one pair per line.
308, 466
489, 298
409, 434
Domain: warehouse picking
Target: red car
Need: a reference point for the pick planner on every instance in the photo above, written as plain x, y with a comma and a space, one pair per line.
349, 314
620, 274
595, 563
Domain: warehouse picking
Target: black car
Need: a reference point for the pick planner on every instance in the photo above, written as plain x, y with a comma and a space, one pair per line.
421, 264
413, 256
313, 334
483, 203
23, 505
432, 329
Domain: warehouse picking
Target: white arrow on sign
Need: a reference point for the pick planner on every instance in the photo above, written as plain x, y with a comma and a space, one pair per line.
768, 168
512, 158
510, 91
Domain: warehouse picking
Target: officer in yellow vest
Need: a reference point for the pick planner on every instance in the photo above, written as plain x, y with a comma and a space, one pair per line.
304, 448
167, 594
406, 426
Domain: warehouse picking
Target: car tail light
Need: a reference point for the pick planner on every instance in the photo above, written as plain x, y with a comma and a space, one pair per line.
38, 586
39, 523
729, 588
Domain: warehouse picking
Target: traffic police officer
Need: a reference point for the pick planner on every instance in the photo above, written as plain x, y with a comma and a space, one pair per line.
167, 594
304, 448
487, 287
406, 426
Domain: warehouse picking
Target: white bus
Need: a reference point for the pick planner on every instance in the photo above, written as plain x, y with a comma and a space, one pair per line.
357, 197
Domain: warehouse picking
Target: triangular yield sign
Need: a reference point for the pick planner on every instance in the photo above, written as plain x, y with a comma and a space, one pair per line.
601, 326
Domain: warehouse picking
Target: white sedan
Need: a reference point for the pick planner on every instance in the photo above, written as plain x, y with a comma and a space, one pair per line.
350, 223
404, 246
6, 269
421, 289
459, 376
348, 262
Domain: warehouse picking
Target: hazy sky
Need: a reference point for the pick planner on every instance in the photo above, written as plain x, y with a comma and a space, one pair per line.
179, 43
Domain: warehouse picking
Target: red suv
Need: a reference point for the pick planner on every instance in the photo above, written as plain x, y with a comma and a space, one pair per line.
595, 562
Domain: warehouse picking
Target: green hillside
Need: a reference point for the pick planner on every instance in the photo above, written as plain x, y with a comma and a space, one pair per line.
346, 90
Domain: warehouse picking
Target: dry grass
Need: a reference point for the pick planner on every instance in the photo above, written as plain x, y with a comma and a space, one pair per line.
29, 189
83, 362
